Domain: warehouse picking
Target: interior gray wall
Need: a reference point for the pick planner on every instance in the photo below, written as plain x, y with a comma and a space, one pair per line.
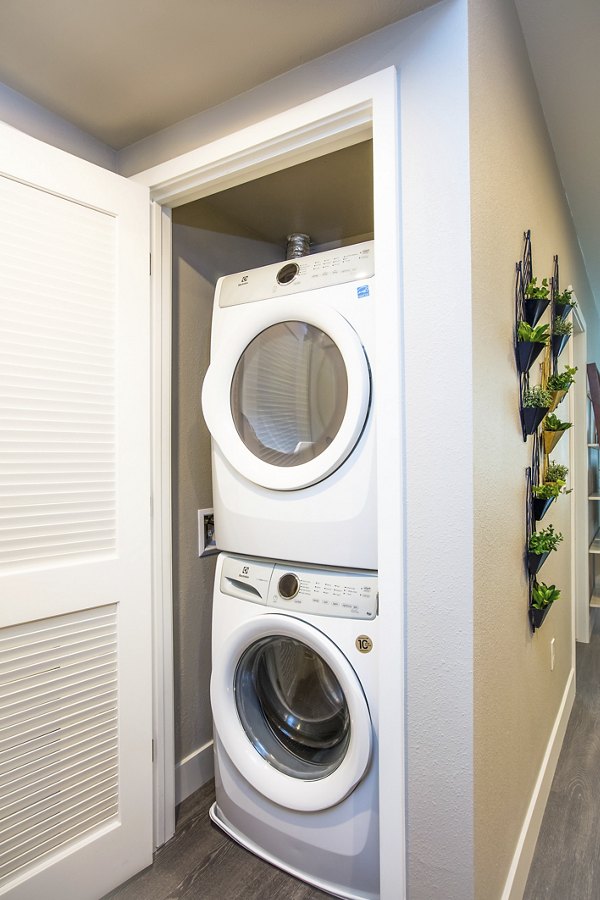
40, 123
200, 256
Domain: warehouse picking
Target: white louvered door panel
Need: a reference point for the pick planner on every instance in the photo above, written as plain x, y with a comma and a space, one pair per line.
57, 378
75, 637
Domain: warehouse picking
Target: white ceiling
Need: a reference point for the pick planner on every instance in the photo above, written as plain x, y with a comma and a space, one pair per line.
124, 69
563, 40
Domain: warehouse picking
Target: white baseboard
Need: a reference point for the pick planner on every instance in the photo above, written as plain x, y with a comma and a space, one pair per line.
519, 870
193, 771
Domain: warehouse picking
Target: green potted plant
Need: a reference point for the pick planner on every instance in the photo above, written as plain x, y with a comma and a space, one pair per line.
564, 302
530, 343
537, 298
536, 403
553, 431
561, 332
541, 544
544, 494
559, 384
557, 472
542, 598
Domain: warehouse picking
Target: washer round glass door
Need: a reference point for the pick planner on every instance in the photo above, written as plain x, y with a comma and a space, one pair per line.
292, 707
287, 396
290, 712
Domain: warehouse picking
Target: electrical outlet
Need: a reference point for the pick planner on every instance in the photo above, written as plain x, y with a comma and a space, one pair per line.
552, 655
207, 544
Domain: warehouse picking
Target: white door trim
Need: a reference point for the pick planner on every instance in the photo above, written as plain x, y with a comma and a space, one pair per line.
284, 140
334, 120
579, 454
162, 563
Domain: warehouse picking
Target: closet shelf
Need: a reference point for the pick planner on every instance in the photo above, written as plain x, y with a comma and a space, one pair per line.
595, 545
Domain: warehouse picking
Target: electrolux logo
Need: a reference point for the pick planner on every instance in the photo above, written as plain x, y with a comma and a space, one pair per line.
362, 291
244, 280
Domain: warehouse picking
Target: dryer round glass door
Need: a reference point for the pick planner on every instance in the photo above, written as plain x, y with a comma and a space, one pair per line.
290, 712
289, 393
287, 396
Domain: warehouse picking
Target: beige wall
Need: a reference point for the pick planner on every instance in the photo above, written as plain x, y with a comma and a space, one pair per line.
515, 186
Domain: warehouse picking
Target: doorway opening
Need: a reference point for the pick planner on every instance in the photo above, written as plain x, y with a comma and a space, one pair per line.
349, 116
330, 198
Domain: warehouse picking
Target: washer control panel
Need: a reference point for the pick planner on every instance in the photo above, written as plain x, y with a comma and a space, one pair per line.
324, 592
306, 273
342, 593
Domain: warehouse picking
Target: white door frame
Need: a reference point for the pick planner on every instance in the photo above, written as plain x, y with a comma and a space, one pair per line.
579, 482
365, 108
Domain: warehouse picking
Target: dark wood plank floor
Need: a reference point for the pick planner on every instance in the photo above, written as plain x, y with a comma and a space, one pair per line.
201, 863
566, 863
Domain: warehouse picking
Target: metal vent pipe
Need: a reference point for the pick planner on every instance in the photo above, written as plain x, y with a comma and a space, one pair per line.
297, 245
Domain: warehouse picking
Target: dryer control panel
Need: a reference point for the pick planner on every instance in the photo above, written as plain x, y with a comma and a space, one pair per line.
320, 591
306, 273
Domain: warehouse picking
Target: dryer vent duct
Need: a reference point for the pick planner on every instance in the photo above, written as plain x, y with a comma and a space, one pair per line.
297, 245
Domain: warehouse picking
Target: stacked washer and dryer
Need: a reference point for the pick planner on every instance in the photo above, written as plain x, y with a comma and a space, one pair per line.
288, 399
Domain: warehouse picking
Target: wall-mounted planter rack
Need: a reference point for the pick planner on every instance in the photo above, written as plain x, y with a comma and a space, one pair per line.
526, 353
535, 510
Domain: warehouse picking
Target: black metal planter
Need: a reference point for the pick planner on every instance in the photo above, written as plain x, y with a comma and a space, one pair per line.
562, 310
559, 342
541, 507
534, 310
537, 616
531, 417
535, 561
527, 353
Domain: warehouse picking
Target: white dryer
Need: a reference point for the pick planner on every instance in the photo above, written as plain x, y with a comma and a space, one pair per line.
288, 399
294, 699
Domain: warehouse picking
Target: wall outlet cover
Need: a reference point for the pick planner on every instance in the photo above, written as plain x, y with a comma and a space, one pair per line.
207, 544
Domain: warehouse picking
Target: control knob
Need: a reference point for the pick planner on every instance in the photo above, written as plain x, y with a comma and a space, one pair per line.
288, 586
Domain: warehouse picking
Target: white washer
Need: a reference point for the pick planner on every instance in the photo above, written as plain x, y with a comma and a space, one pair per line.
294, 699
288, 399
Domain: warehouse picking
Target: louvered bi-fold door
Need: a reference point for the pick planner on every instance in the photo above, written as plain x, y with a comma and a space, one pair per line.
75, 636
